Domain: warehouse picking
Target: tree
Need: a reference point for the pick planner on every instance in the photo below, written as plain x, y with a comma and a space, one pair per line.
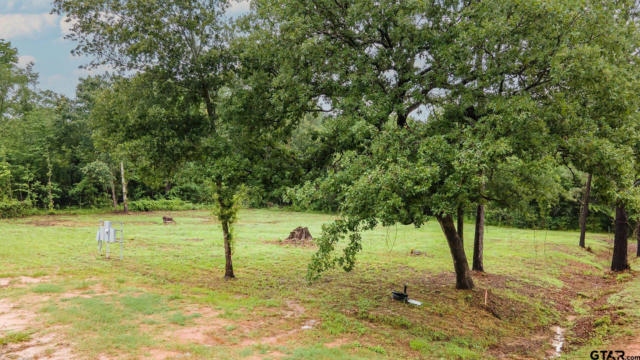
14, 82
637, 232
257, 113
180, 54
584, 210
596, 109
478, 239
382, 62
182, 41
93, 187
187, 60
5, 177
150, 122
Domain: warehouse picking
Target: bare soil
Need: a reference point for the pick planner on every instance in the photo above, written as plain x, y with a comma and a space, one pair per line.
42, 344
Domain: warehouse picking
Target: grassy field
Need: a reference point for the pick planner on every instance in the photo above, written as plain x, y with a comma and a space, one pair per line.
59, 299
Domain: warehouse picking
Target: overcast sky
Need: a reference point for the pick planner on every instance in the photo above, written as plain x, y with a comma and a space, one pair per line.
39, 38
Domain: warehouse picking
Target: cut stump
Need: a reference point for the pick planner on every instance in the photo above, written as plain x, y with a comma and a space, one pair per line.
299, 236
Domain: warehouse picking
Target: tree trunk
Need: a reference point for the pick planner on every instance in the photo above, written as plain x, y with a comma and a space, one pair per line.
619, 261
461, 223
228, 268
114, 197
401, 120
478, 240
49, 183
584, 211
638, 239
124, 189
211, 111
463, 274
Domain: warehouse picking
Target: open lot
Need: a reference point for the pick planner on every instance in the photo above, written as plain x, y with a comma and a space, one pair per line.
168, 300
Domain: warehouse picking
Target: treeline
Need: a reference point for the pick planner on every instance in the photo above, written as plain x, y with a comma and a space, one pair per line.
383, 111
58, 152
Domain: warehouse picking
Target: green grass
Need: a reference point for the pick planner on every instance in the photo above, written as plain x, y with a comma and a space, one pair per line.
47, 288
15, 337
168, 282
102, 323
182, 319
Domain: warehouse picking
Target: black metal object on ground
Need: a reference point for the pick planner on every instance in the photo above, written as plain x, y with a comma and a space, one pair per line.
404, 297
400, 296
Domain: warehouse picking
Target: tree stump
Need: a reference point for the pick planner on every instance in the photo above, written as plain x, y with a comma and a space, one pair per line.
167, 220
299, 236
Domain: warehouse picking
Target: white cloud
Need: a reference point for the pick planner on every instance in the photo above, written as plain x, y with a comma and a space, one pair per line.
238, 7
60, 83
66, 24
25, 25
25, 60
25, 5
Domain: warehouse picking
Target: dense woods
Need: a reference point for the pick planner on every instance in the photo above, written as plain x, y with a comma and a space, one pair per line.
505, 112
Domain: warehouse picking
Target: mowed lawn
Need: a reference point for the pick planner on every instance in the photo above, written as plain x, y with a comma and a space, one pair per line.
59, 299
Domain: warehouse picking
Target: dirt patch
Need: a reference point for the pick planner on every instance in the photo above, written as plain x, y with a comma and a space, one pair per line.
39, 344
581, 281
206, 329
271, 355
594, 290
497, 305
631, 346
22, 281
161, 354
276, 339
295, 309
53, 221
201, 334
584, 327
47, 346
13, 318
210, 329
521, 348
337, 343
88, 292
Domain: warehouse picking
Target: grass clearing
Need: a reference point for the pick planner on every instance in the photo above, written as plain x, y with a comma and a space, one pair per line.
168, 295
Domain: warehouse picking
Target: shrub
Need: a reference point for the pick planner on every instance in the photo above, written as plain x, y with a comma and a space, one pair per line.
560, 217
162, 204
14, 208
190, 192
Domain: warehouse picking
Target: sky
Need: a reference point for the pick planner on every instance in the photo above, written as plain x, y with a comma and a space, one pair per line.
39, 38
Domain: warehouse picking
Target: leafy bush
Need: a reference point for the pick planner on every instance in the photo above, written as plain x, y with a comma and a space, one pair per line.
14, 208
323, 194
193, 193
562, 216
92, 189
161, 204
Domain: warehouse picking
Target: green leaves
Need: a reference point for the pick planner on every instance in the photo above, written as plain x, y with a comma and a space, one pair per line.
516, 91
